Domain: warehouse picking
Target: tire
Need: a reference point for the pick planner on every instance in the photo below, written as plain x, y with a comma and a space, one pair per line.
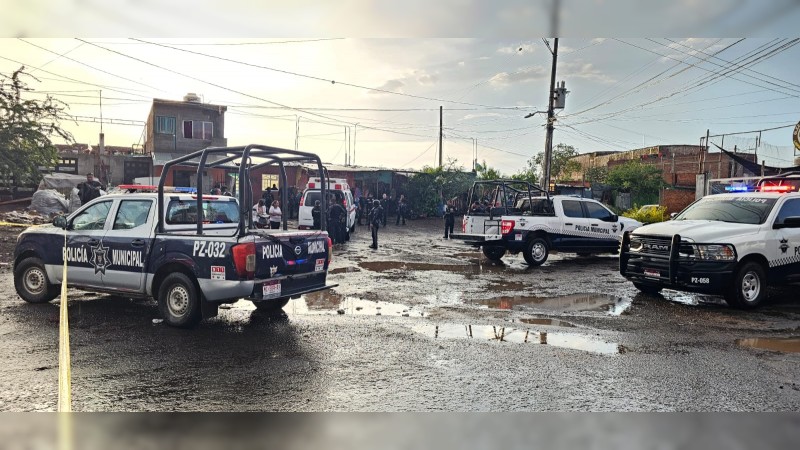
494, 252
179, 301
647, 289
749, 287
31, 283
271, 306
536, 252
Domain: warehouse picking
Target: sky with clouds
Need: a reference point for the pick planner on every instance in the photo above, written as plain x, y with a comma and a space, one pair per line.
383, 93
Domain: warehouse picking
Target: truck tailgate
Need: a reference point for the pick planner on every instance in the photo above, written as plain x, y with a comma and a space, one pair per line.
290, 263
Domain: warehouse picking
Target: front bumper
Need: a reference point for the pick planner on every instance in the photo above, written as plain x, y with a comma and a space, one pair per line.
673, 271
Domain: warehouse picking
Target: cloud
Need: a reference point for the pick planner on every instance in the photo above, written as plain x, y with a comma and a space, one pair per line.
477, 116
520, 76
391, 85
425, 78
518, 49
582, 70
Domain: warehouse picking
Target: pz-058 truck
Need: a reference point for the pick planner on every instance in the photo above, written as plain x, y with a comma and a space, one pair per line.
191, 252
516, 216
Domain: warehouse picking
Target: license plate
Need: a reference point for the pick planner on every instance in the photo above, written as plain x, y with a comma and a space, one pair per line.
271, 289
651, 273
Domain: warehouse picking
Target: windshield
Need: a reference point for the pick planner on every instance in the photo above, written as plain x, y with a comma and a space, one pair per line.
752, 210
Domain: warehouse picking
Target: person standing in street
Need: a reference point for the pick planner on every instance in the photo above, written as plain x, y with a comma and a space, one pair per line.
449, 220
376, 216
261, 214
89, 189
401, 210
275, 215
384, 208
336, 214
315, 215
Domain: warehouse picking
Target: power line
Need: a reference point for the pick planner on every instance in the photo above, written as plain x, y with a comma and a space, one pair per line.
420, 155
225, 43
312, 77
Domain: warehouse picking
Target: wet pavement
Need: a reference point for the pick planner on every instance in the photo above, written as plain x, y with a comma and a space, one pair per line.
421, 324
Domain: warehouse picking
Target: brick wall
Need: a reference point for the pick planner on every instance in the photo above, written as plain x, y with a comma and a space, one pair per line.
676, 199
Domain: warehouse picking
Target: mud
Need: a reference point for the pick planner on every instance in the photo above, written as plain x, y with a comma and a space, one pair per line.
571, 335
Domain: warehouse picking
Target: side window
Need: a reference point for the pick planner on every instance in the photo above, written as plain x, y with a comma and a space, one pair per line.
596, 210
789, 209
572, 208
92, 218
132, 214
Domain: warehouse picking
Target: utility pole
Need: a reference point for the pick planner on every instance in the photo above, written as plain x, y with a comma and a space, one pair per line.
355, 135
548, 140
440, 137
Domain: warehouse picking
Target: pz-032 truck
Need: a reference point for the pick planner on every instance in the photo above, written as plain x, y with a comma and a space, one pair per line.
516, 216
191, 252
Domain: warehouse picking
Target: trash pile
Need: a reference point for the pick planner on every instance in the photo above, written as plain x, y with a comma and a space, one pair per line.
49, 202
31, 218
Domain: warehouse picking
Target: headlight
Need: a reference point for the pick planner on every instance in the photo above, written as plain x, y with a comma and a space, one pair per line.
715, 252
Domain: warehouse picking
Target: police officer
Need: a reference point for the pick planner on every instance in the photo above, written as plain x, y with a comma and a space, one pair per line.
384, 208
401, 210
89, 189
375, 219
449, 220
315, 215
336, 214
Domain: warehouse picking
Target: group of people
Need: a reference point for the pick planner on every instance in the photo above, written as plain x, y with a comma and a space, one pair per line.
293, 197
271, 217
387, 204
336, 219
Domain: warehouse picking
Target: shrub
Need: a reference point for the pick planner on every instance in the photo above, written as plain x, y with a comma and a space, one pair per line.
647, 215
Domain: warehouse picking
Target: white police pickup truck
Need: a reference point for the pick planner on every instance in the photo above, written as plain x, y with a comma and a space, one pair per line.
190, 252
730, 244
515, 216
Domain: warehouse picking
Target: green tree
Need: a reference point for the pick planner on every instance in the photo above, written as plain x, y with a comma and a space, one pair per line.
597, 174
530, 173
562, 165
643, 181
26, 127
485, 172
427, 188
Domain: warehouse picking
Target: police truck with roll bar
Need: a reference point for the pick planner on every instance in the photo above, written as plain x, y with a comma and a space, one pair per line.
516, 216
190, 251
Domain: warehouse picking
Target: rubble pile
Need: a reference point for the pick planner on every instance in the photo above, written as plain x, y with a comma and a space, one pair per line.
27, 217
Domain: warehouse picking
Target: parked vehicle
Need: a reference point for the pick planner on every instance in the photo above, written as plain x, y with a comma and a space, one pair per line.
189, 251
735, 245
516, 216
337, 187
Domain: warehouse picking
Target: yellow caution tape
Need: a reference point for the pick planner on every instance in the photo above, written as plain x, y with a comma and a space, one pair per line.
64, 369
11, 224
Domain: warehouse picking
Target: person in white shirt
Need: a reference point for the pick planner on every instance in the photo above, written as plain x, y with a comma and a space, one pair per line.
275, 215
261, 214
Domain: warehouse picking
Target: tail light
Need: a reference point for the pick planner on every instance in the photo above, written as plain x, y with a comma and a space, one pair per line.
464, 224
338, 187
330, 251
302, 201
506, 226
244, 259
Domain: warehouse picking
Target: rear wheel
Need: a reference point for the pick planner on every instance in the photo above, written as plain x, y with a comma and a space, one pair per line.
30, 280
494, 252
271, 306
647, 288
178, 301
749, 288
536, 252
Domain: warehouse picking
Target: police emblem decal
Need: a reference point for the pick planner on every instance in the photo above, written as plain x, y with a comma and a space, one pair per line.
273, 270
784, 245
100, 259
614, 228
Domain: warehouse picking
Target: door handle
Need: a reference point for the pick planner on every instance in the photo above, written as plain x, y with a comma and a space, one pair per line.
93, 241
594, 224
568, 224
137, 243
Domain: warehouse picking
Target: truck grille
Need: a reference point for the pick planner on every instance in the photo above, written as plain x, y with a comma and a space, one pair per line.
657, 245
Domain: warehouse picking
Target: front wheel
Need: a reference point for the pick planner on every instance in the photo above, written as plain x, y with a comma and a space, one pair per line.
494, 252
30, 280
749, 287
536, 252
271, 306
178, 301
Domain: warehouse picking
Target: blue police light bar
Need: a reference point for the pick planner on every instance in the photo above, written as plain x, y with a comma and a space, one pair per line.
186, 190
737, 188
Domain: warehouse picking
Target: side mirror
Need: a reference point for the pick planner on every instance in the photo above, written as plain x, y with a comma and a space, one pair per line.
612, 218
60, 221
789, 222
672, 215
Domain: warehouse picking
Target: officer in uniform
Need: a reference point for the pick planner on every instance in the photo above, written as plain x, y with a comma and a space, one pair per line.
336, 213
375, 219
449, 220
89, 189
315, 215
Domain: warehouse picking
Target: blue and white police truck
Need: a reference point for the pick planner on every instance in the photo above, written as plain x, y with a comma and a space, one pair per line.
190, 251
512, 216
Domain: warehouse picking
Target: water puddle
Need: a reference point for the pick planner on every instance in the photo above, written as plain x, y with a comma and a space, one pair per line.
577, 302
493, 333
545, 321
467, 269
331, 302
692, 299
785, 345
